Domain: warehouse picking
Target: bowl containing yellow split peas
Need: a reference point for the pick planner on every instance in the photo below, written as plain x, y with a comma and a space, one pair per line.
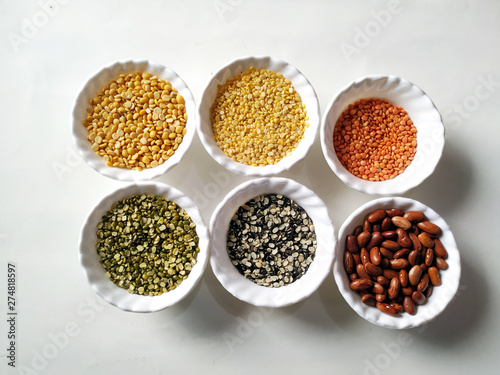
259, 115
133, 120
382, 135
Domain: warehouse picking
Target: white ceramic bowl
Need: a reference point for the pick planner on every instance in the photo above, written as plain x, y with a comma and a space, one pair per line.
300, 84
96, 273
248, 291
423, 113
441, 295
102, 78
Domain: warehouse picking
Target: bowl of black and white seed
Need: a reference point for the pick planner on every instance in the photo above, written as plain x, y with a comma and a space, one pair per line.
144, 247
272, 242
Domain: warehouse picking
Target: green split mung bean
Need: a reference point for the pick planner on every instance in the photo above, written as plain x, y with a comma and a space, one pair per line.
147, 244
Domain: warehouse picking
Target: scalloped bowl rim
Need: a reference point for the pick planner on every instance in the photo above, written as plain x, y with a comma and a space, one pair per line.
99, 80
420, 108
243, 288
442, 295
95, 273
300, 83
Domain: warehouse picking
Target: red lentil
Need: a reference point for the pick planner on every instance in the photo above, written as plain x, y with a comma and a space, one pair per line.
374, 139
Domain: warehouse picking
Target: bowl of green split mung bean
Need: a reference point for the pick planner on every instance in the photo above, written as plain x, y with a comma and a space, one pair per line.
272, 242
258, 116
134, 120
144, 247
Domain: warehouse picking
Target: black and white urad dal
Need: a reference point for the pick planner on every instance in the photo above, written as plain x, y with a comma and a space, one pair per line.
271, 240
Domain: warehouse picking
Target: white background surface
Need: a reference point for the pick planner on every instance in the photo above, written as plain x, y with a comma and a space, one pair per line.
449, 48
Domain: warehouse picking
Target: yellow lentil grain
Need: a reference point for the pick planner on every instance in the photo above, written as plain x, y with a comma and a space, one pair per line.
253, 113
125, 116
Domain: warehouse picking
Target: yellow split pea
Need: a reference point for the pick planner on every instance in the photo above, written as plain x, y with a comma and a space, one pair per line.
136, 122
258, 118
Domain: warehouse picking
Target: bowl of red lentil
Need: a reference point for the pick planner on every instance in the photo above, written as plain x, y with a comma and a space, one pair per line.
144, 247
259, 115
272, 242
412, 303
134, 120
382, 135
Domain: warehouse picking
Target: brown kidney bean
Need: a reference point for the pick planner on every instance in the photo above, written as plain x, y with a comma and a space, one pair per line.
397, 264
381, 297
376, 228
403, 278
414, 216
364, 255
373, 270
375, 240
429, 291
401, 222
382, 280
389, 234
439, 249
376, 215
386, 224
353, 276
348, 262
429, 227
409, 305
384, 263
386, 253
377, 288
418, 297
434, 276
361, 284
413, 257
352, 244
429, 257
425, 239
415, 242
441, 263
394, 212
357, 259
357, 230
367, 227
424, 283
403, 238
415, 274
387, 309
363, 238
397, 306
393, 289
403, 253
368, 299
391, 245
390, 273
375, 256
407, 291
360, 270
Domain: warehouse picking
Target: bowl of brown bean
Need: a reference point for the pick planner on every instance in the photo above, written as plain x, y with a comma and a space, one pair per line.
382, 135
397, 263
134, 120
144, 247
258, 116
272, 242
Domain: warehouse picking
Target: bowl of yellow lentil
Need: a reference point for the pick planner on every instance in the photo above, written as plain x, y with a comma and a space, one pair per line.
144, 247
382, 135
258, 116
134, 120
